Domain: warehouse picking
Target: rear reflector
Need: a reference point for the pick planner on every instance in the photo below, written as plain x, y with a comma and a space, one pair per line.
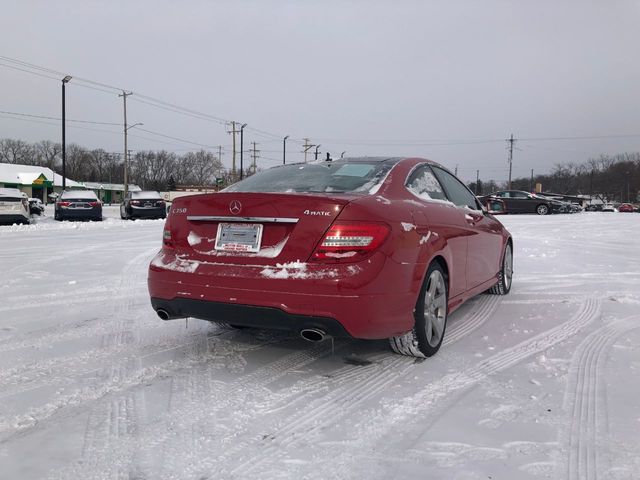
350, 242
166, 238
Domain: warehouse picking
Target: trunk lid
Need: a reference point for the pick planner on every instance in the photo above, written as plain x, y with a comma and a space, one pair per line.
282, 227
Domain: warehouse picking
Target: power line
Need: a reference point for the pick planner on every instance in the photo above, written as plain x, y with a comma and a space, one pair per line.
57, 118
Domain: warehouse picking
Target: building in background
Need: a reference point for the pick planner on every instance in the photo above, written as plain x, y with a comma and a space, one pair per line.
110, 192
35, 181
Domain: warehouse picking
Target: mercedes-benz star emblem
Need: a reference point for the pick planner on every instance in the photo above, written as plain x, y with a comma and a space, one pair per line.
235, 207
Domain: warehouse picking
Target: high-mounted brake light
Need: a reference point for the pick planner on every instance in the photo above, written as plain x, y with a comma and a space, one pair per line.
350, 242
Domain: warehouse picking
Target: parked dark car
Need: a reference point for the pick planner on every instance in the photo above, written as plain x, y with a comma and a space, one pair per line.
518, 201
368, 248
143, 205
36, 207
78, 205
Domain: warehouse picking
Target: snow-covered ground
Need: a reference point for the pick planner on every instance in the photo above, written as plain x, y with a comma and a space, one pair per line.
542, 383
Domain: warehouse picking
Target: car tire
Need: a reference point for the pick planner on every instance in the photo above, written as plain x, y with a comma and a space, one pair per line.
542, 209
124, 215
505, 277
56, 216
430, 315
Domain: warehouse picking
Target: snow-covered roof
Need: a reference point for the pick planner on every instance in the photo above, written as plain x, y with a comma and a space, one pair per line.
111, 186
26, 174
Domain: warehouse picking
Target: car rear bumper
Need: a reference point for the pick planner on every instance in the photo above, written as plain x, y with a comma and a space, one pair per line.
9, 219
247, 315
370, 302
80, 213
141, 212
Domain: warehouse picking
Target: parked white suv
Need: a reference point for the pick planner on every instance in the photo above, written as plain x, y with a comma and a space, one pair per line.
14, 206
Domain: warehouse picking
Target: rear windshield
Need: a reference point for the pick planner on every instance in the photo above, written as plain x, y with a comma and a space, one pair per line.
10, 199
338, 177
146, 195
79, 195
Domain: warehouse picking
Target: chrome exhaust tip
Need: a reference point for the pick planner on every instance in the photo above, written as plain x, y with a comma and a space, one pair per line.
313, 334
163, 314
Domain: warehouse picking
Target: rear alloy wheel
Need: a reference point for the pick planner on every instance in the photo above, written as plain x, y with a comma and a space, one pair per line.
506, 274
430, 318
542, 209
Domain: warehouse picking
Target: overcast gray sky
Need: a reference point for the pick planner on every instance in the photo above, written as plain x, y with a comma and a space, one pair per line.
420, 78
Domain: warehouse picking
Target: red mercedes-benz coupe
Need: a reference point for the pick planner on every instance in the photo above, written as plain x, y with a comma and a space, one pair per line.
366, 248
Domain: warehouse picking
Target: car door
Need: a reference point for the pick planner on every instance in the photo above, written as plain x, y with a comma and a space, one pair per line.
484, 238
441, 218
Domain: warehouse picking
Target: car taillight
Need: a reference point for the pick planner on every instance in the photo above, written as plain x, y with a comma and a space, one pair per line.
350, 242
95, 204
64, 204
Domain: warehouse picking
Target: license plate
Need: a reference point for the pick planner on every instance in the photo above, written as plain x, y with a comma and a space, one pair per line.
239, 237
148, 204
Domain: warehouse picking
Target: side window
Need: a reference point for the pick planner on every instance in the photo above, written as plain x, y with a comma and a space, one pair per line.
519, 195
422, 183
457, 192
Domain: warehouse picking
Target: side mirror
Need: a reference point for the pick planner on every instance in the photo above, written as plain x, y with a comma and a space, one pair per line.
494, 206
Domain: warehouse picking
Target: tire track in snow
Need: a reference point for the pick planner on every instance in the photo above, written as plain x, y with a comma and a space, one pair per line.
488, 304
192, 400
371, 432
585, 399
129, 276
368, 384
353, 383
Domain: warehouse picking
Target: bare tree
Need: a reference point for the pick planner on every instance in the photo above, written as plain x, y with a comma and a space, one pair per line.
17, 152
48, 153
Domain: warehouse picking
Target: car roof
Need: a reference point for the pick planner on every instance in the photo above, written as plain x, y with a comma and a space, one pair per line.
10, 192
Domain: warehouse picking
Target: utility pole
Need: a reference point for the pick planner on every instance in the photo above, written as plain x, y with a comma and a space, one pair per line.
531, 182
233, 155
456, 171
126, 162
511, 141
306, 148
241, 149
254, 155
65, 80
477, 182
220, 153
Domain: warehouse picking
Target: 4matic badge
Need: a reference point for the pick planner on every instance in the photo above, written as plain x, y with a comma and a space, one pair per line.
317, 213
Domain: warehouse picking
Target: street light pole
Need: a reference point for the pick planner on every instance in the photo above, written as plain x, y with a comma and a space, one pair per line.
316, 154
284, 149
126, 162
65, 80
127, 155
241, 149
